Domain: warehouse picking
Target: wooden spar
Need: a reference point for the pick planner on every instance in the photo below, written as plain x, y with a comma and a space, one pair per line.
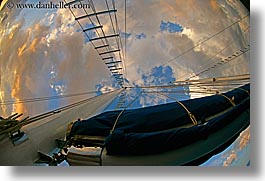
92, 28
217, 79
107, 58
112, 51
95, 14
113, 62
103, 46
102, 37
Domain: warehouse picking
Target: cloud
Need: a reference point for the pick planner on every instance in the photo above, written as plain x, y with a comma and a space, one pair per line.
157, 76
161, 75
237, 154
177, 26
18, 62
52, 42
194, 25
33, 53
42, 53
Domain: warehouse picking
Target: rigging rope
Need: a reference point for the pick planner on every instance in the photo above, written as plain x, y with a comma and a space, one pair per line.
202, 42
192, 117
117, 27
115, 67
241, 77
117, 42
27, 120
125, 39
83, 29
211, 58
225, 81
118, 117
121, 100
229, 99
39, 99
223, 62
176, 92
239, 88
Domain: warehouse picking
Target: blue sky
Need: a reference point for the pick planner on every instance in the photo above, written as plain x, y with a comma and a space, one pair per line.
170, 27
140, 36
160, 75
89, 34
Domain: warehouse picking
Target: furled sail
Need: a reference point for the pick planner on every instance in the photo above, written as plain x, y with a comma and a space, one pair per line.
164, 127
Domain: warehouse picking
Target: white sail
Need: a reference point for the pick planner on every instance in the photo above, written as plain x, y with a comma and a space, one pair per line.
43, 132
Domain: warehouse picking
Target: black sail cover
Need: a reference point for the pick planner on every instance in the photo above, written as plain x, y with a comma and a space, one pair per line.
156, 129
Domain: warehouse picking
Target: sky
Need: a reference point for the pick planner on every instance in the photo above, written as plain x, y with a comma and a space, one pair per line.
44, 53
